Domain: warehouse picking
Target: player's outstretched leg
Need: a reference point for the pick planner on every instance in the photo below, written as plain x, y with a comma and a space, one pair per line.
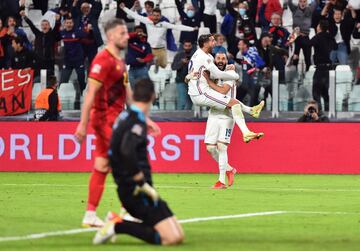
166, 232
238, 116
96, 189
253, 111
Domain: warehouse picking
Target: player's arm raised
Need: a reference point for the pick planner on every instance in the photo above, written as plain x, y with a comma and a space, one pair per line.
93, 87
221, 89
215, 73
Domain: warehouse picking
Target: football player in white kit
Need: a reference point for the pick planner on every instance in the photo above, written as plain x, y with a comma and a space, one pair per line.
203, 95
220, 123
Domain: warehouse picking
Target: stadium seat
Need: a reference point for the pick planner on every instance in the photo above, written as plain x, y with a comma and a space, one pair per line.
67, 94
343, 82
283, 97
354, 99
169, 97
35, 16
36, 89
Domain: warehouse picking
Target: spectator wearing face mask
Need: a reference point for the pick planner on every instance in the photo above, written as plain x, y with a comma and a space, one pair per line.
243, 24
190, 17
44, 45
341, 26
138, 55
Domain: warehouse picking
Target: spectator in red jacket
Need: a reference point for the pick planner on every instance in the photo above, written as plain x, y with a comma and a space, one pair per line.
266, 9
3, 39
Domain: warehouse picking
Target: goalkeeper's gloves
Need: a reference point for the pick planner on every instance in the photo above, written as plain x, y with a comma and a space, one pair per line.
148, 190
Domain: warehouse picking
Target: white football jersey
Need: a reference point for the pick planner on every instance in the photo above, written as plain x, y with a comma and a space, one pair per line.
223, 114
199, 61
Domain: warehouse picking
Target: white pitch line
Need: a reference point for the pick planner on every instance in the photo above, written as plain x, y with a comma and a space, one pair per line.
211, 218
83, 230
243, 188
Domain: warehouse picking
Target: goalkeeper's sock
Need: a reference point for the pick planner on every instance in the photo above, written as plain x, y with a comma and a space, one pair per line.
245, 108
138, 230
239, 118
223, 161
96, 189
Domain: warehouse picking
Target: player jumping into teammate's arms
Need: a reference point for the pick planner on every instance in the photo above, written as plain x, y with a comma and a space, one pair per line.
220, 123
132, 174
203, 95
108, 91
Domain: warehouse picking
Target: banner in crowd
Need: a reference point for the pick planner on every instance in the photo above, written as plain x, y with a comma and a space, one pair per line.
328, 148
15, 91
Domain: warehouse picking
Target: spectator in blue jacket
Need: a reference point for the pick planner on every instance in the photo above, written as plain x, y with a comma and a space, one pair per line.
190, 17
74, 54
87, 16
138, 55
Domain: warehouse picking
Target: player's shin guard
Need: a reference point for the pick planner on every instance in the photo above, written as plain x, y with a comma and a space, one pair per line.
239, 118
212, 149
96, 189
138, 230
223, 161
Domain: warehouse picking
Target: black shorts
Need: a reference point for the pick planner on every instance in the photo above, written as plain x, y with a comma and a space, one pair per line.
143, 208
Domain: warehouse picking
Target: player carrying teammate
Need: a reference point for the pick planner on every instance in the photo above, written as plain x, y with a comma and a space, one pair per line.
220, 124
108, 90
132, 173
201, 93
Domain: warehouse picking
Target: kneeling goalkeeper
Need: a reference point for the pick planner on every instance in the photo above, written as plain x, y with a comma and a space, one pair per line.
132, 173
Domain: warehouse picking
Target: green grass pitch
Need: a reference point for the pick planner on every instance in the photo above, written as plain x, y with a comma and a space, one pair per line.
319, 212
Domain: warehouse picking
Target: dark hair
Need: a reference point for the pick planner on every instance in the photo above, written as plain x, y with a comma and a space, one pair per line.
144, 90
324, 25
187, 41
112, 23
245, 41
337, 8
139, 27
68, 17
150, 3
18, 40
157, 10
204, 39
12, 17
51, 81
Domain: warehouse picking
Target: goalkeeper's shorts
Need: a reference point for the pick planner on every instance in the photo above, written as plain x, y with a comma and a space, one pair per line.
143, 208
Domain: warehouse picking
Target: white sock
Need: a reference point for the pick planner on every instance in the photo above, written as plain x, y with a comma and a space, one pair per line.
239, 118
222, 176
229, 168
245, 108
223, 161
213, 152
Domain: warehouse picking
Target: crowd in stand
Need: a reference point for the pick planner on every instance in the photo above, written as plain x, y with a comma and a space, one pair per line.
74, 24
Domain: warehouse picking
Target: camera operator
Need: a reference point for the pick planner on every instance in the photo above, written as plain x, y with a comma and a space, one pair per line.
312, 113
